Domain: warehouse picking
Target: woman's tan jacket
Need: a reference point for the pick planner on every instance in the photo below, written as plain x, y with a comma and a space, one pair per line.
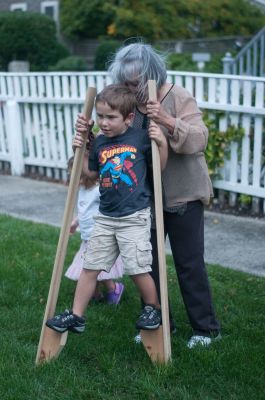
186, 176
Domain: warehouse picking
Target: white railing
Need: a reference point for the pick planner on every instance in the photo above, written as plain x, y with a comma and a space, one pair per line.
38, 112
250, 60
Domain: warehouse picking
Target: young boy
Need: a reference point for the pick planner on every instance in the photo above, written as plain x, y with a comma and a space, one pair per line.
120, 158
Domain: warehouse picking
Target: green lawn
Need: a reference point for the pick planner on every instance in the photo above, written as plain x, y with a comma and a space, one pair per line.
104, 363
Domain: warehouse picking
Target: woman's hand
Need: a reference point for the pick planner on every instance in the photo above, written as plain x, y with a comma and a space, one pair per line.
157, 113
82, 131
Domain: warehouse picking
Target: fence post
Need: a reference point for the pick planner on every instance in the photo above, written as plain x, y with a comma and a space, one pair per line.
14, 134
227, 61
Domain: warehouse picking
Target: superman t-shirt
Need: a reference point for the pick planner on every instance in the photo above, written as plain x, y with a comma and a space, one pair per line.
122, 163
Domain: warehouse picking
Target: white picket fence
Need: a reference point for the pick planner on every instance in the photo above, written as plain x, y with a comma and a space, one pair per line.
38, 112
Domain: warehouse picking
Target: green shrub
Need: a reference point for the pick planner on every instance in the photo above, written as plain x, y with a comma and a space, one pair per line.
245, 200
104, 52
219, 142
71, 63
30, 37
183, 62
215, 65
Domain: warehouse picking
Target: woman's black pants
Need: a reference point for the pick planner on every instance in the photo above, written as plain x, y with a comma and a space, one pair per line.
186, 237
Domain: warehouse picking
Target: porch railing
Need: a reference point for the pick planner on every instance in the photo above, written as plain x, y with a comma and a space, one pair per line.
250, 60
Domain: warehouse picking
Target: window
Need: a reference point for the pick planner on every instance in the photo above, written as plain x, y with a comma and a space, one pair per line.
50, 8
18, 7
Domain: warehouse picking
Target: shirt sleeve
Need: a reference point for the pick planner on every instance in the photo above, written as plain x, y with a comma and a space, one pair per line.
93, 157
190, 134
147, 147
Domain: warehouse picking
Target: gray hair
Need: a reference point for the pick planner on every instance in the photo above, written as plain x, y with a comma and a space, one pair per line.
138, 62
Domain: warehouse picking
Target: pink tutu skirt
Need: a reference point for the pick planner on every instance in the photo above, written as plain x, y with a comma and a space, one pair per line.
74, 270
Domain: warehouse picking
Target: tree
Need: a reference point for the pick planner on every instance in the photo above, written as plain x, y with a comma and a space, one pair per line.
224, 17
120, 18
89, 19
31, 37
154, 20
150, 19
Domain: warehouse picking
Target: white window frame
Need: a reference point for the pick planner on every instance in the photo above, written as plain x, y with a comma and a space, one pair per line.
18, 6
53, 4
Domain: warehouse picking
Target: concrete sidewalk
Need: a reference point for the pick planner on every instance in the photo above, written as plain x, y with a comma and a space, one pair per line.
230, 241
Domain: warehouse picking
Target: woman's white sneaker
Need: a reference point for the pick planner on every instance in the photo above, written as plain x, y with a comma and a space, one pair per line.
138, 338
197, 340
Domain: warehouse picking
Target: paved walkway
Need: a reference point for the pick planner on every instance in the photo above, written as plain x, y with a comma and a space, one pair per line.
230, 241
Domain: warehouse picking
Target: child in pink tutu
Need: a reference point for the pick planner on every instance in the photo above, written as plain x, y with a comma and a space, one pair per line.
87, 207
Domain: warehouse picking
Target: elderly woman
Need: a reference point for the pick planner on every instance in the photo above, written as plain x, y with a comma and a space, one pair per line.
185, 180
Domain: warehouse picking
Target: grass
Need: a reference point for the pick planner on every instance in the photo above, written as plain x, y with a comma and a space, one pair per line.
104, 363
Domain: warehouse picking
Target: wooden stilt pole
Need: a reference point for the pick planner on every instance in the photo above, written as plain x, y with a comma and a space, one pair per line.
51, 343
157, 343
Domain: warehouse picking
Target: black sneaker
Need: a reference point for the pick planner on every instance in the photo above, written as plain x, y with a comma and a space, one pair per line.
66, 321
138, 339
150, 318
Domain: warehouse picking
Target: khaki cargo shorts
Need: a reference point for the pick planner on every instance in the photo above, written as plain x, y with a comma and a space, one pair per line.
128, 236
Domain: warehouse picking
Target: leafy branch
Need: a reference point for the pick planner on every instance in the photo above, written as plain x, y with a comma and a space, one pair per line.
219, 142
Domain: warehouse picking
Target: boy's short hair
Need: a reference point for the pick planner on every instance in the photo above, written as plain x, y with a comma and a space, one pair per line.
118, 97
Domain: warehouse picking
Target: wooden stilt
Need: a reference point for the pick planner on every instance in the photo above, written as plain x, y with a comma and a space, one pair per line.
154, 345
157, 343
51, 343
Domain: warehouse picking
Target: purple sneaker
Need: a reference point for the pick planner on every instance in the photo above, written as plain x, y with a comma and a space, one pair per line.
115, 296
